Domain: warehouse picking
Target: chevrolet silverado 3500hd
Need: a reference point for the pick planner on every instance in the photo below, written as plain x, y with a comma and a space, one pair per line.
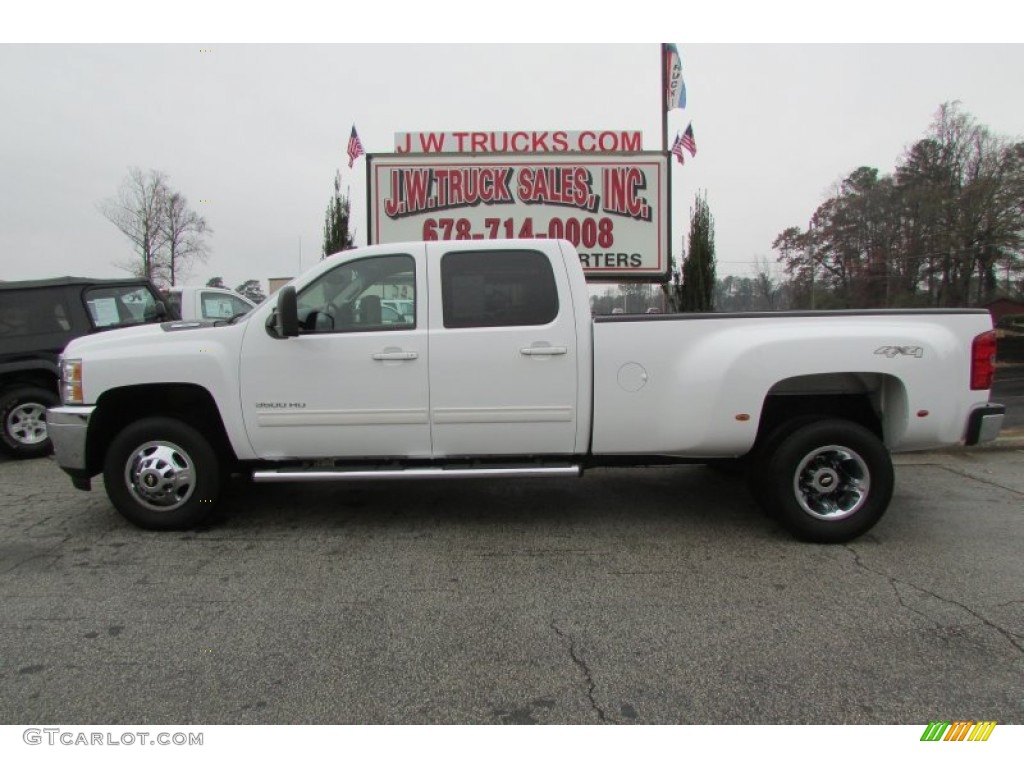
500, 371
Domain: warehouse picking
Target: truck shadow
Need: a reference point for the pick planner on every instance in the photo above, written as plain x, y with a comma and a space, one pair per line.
606, 498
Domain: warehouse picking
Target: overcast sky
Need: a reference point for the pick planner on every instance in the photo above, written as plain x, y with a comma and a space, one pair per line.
252, 134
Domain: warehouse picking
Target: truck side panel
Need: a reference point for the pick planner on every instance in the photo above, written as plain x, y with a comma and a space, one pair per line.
695, 385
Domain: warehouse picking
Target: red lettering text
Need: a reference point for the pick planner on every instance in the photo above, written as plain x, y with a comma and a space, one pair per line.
568, 185
621, 193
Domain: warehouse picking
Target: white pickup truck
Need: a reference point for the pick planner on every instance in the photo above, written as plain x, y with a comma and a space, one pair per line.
499, 371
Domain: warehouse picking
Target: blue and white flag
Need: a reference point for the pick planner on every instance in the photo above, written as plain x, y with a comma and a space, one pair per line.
675, 88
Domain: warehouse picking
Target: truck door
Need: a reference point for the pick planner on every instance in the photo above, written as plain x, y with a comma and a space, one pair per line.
503, 353
354, 382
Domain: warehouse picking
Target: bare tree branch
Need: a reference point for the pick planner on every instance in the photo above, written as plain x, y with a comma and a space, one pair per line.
183, 230
166, 235
137, 212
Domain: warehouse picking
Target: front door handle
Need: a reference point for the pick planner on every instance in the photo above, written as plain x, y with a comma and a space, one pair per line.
538, 351
395, 355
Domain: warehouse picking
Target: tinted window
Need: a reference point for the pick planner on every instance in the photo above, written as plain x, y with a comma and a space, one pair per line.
33, 311
482, 289
174, 302
112, 306
378, 294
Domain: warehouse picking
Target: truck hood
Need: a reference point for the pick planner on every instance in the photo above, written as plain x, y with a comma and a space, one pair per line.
136, 335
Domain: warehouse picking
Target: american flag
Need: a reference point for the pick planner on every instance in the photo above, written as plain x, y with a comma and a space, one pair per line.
688, 141
677, 149
355, 147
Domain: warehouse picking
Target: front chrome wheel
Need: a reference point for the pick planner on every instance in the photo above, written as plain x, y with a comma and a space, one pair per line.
160, 475
832, 482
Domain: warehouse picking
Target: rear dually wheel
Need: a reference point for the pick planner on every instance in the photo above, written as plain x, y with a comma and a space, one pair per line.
829, 481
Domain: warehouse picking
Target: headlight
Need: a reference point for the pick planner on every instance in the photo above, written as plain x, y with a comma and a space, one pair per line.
71, 381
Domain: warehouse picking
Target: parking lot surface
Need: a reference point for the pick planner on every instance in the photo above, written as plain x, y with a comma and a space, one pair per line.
1009, 390
630, 596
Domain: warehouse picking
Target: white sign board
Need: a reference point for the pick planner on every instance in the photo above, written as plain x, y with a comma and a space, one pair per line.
613, 208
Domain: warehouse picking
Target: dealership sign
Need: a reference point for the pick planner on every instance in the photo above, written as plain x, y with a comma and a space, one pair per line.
613, 207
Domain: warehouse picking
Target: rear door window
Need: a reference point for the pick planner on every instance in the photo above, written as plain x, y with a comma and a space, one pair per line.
497, 288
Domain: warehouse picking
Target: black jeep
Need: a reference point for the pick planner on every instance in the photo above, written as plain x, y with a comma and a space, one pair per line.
37, 319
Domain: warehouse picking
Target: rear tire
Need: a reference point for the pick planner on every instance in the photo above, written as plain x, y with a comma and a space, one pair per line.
829, 481
23, 421
162, 474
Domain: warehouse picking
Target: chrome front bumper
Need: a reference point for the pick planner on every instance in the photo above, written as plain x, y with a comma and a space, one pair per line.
67, 427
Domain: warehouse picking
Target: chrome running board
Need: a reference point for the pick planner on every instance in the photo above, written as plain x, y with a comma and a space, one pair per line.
411, 473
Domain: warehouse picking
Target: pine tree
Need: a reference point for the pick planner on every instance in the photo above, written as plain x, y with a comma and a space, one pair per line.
699, 267
336, 234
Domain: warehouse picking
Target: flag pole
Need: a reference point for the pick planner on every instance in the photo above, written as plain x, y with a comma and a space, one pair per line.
663, 107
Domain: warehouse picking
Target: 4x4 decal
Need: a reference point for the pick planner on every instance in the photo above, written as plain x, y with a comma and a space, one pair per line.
893, 351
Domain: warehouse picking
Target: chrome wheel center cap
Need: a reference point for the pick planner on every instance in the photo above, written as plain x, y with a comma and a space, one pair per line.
825, 480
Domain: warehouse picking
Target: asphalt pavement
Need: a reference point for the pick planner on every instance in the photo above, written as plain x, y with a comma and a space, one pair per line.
1008, 389
629, 596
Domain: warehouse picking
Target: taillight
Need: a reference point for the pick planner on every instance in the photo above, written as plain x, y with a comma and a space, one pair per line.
983, 360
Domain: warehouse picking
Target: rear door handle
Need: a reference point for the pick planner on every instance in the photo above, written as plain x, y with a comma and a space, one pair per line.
395, 355
538, 351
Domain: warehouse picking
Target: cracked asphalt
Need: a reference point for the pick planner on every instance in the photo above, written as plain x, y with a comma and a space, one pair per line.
630, 596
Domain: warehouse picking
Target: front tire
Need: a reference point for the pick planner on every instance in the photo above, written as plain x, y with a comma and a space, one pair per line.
162, 474
829, 481
23, 421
